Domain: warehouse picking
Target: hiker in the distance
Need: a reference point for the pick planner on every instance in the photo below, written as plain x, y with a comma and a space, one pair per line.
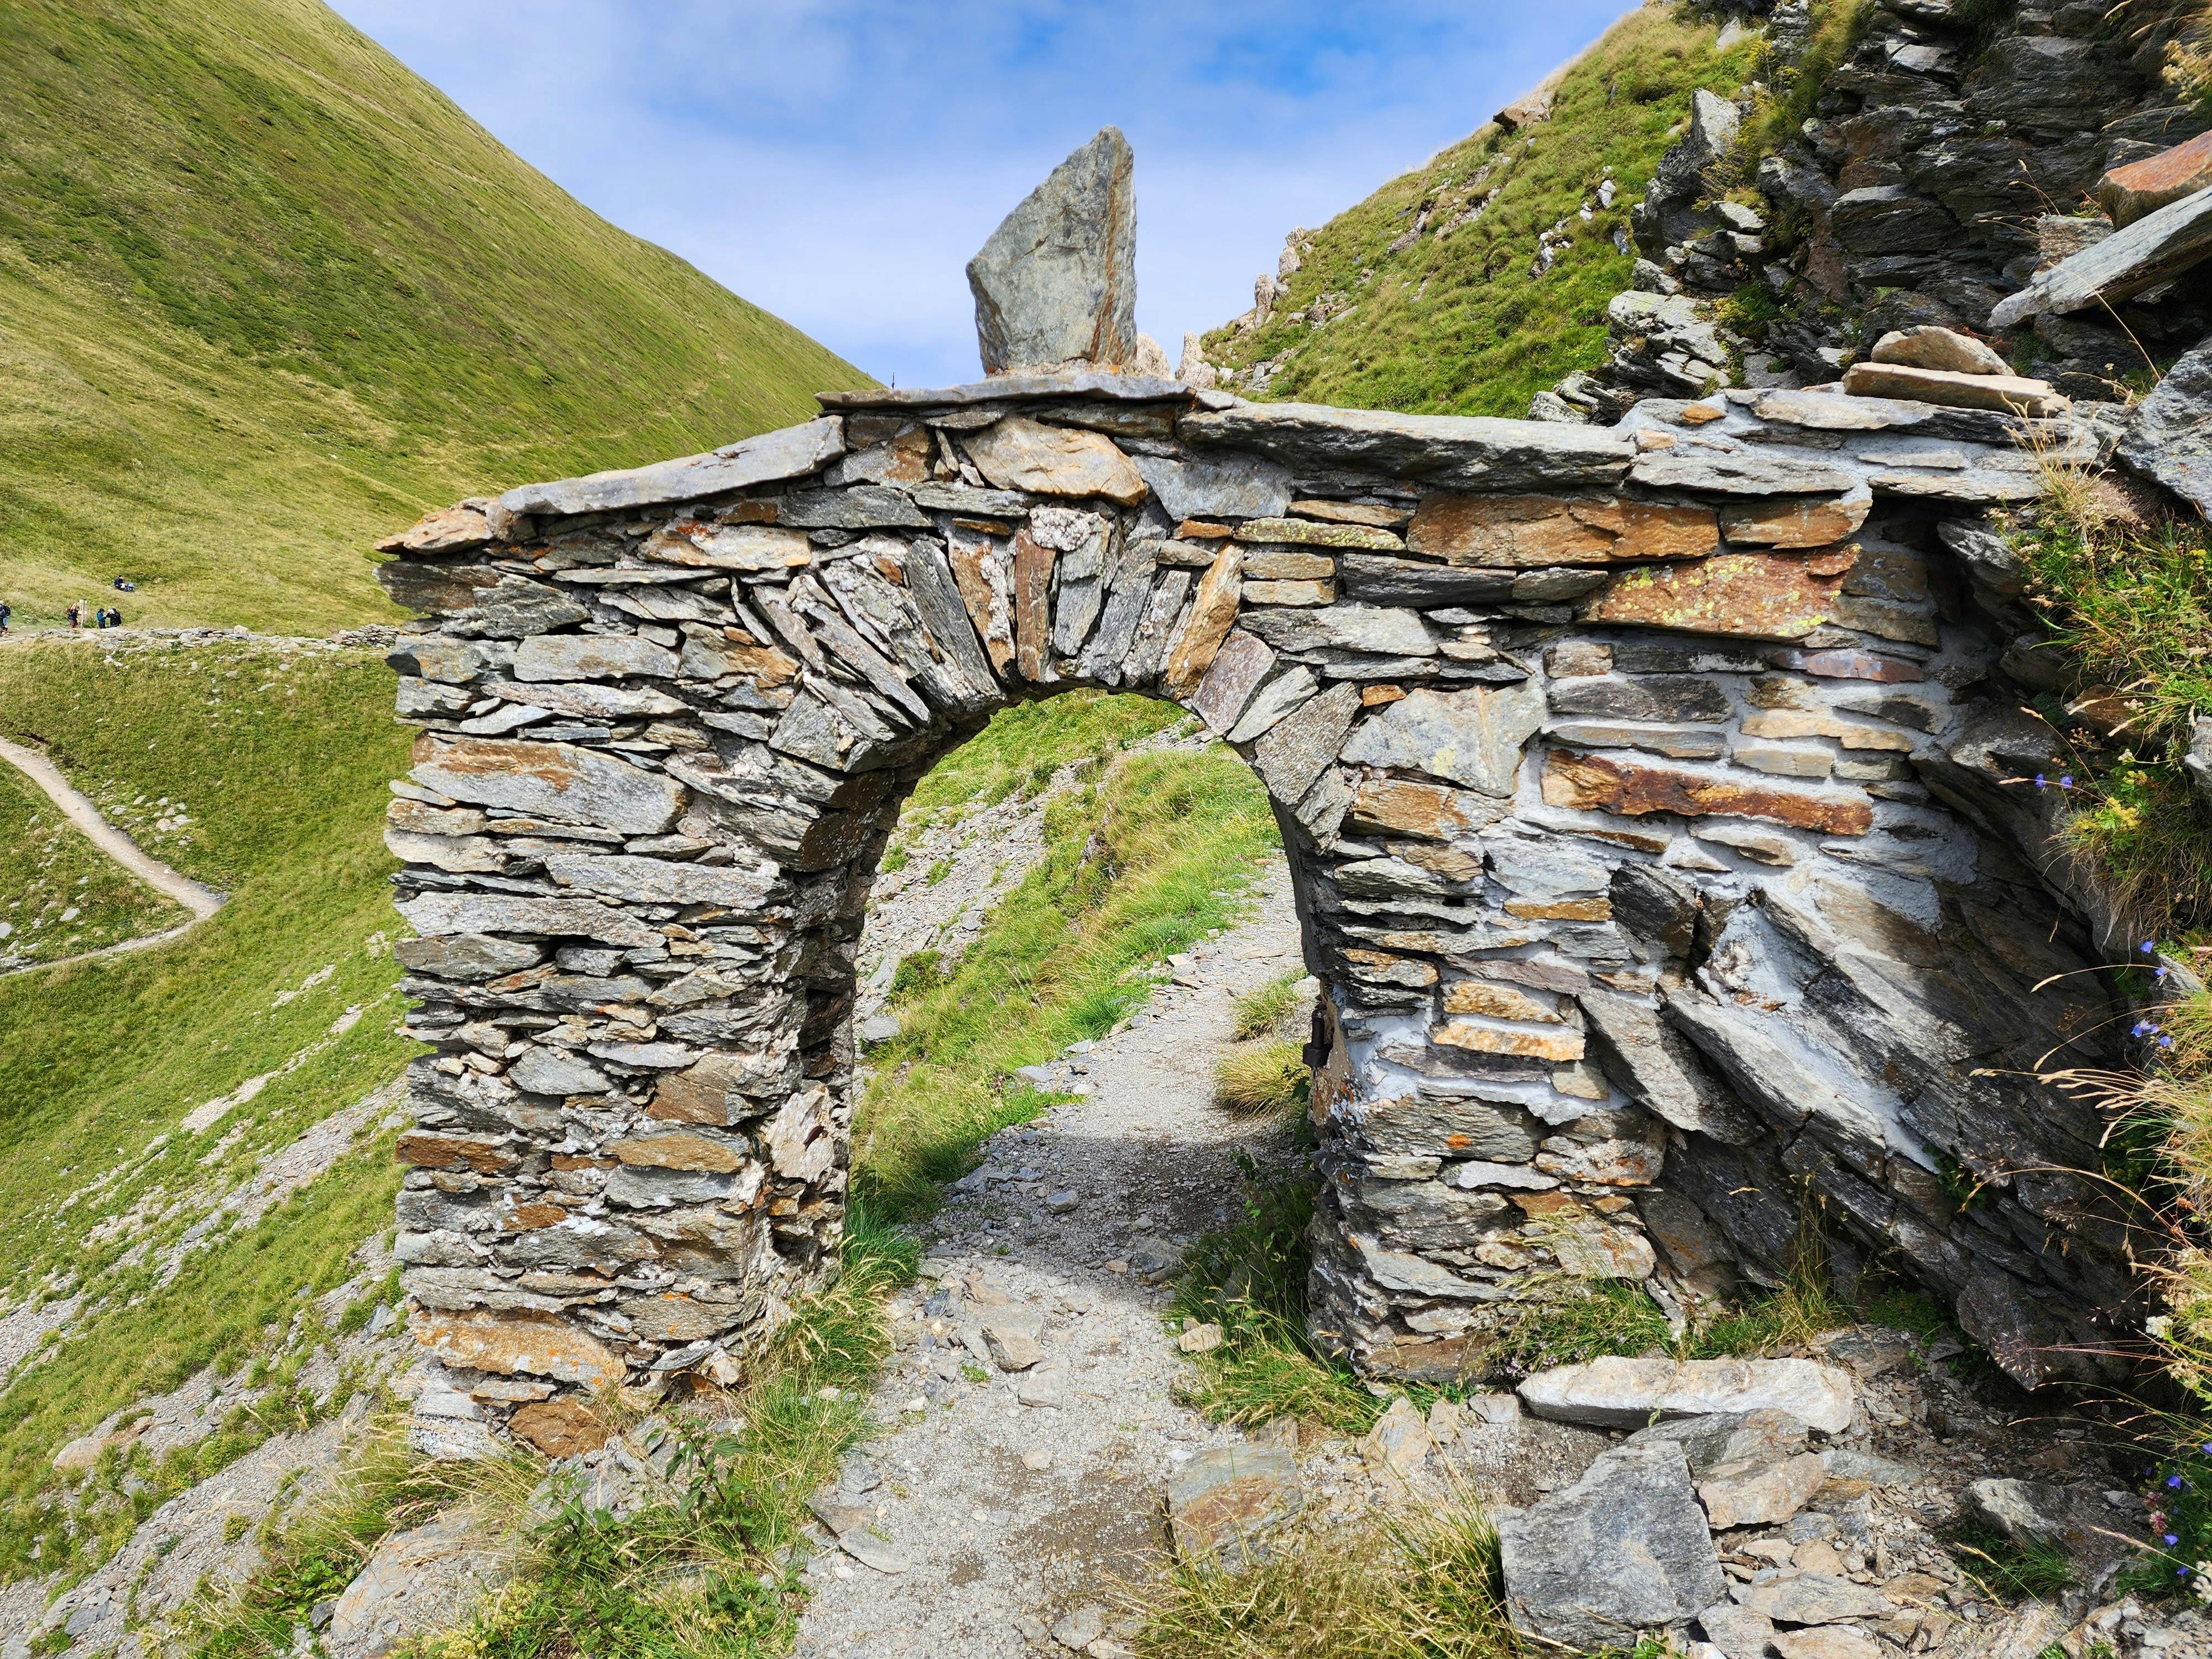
75, 613
5, 612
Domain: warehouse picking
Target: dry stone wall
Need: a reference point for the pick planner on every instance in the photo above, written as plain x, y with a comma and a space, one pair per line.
1664, 830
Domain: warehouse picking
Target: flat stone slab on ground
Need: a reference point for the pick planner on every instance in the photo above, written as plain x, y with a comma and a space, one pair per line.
1222, 1501
1627, 1393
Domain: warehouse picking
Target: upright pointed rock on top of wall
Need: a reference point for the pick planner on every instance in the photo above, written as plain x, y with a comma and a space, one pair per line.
1057, 282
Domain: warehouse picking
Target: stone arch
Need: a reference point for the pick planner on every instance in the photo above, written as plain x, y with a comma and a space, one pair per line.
1650, 802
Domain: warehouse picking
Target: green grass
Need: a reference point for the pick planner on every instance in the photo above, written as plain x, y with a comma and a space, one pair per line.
1267, 1009
1457, 323
1268, 1078
1144, 858
59, 894
264, 295
1422, 1584
2127, 602
1024, 747
1249, 1277
279, 762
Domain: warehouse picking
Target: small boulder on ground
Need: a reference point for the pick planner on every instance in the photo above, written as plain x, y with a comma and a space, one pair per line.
1930, 347
1222, 1502
1813, 1598
1399, 1440
1624, 1550
2003, 394
1628, 1394
417, 1584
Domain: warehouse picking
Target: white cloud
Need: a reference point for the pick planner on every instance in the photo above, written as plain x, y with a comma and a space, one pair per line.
838, 161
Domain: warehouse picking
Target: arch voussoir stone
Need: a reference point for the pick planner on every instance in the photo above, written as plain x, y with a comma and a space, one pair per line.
1647, 792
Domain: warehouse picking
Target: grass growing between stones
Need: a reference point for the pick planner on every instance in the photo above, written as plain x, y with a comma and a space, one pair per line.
265, 295
277, 760
1266, 1074
1249, 1277
2126, 595
1141, 861
1432, 311
1424, 1585
59, 894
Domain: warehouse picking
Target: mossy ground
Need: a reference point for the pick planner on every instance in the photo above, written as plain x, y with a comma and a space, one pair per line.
1458, 321
266, 295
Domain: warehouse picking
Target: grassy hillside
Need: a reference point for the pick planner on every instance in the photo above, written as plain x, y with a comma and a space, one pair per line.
1456, 320
278, 758
265, 295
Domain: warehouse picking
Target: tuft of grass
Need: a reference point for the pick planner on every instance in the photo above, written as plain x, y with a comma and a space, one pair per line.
1266, 1010
1267, 1079
2126, 598
267, 295
1456, 320
1249, 1277
2008, 1569
1581, 1322
1423, 1585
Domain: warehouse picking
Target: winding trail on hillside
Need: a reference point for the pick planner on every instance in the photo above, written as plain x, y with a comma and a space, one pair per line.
201, 902
1010, 1496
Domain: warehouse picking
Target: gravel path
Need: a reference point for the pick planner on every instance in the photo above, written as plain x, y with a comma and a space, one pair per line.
201, 902
999, 1500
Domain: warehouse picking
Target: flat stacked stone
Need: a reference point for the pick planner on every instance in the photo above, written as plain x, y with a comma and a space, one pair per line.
1652, 801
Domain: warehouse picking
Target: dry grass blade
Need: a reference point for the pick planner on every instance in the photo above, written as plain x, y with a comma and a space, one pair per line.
1267, 1078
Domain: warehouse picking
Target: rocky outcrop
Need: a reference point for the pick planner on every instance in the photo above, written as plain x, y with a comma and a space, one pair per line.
1652, 794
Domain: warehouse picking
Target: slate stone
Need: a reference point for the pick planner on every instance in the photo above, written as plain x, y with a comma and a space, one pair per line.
562, 781
1242, 663
2129, 192
1291, 755
418, 1583
1527, 531
861, 507
1930, 347
542, 1071
1057, 280
1275, 699
1654, 1066
1739, 473
1738, 1632
1224, 1502
1019, 453
2169, 436
1374, 629
1674, 698
1813, 1598
2157, 246
791, 453
1618, 1393
1473, 736
1476, 450
2005, 394
1569, 1580
593, 657
466, 956
1891, 219
1213, 487
1376, 579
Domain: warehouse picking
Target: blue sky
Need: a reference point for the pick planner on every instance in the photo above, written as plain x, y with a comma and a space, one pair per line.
838, 161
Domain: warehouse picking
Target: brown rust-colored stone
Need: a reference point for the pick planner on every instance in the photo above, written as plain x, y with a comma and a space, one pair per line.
536, 1344
1795, 521
1575, 909
565, 1427
1032, 606
1561, 1044
1019, 453
1213, 613
528, 1217
1768, 596
1850, 666
1307, 533
1285, 564
1603, 783
677, 1149
1306, 593
1402, 808
1203, 530
1479, 996
2142, 187
1377, 513
427, 1149
1523, 532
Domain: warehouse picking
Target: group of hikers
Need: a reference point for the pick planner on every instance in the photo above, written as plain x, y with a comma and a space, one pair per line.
104, 616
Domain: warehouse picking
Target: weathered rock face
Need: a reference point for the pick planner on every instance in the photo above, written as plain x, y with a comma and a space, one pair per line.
1057, 282
1658, 890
